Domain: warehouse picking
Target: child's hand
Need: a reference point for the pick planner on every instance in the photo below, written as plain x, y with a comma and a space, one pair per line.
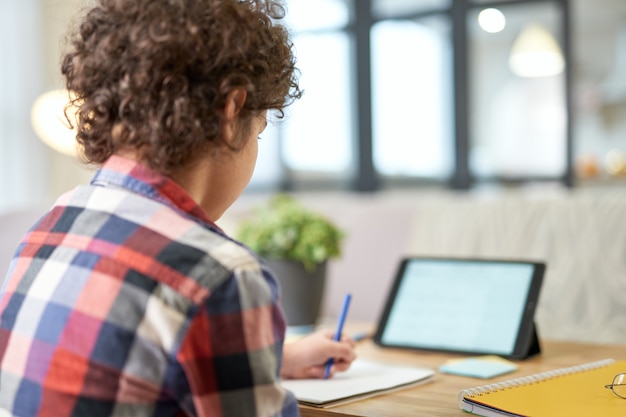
307, 357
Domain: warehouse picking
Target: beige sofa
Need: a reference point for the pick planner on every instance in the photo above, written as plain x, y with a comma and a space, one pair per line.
580, 234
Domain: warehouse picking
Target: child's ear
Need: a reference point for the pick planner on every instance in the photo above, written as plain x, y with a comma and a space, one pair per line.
235, 101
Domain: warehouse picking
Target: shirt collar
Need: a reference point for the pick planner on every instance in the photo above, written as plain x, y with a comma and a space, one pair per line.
126, 173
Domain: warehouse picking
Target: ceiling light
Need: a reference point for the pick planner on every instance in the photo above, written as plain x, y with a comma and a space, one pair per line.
491, 20
535, 53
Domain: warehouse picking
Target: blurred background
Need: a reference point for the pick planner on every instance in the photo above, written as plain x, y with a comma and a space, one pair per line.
452, 94
435, 127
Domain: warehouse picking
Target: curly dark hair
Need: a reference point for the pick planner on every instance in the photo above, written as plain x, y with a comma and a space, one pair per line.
152, 76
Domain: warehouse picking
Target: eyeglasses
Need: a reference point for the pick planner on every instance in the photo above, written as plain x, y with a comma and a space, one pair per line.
619, 385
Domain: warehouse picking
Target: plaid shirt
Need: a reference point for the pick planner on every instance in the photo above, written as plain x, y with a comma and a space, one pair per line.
125, 300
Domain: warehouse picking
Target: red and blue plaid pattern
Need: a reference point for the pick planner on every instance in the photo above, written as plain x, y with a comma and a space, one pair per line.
125, 300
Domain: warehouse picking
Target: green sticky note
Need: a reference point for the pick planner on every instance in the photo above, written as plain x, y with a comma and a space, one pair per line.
479, 367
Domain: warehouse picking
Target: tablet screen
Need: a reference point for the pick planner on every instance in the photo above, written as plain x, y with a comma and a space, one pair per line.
461, 305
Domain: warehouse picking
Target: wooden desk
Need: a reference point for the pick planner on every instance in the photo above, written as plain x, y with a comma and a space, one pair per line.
439, 397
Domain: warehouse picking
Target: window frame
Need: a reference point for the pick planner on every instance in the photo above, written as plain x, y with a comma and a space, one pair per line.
365, 178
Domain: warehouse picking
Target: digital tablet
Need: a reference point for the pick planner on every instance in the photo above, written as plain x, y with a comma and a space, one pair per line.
469, 306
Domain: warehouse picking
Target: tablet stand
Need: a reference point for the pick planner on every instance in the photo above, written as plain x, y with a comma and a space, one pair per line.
533, 347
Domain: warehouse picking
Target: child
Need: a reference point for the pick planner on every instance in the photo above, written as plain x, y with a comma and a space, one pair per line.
126, 299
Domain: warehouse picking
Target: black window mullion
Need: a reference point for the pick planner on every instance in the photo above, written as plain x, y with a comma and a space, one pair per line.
365, 175
461, 177
568, 178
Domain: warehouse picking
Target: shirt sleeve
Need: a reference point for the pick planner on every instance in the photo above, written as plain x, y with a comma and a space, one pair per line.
231, 354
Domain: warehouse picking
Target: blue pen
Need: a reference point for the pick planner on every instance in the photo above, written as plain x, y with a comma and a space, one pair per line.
342, 319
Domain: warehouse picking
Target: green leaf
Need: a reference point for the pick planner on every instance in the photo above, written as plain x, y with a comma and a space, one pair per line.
284, 229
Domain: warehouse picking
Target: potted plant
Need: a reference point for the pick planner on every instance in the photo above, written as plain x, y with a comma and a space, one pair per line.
296, 244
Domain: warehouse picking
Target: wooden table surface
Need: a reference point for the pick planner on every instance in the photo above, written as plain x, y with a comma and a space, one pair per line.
439, 397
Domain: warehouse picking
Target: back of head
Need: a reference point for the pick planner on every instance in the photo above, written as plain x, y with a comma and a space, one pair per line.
151, 76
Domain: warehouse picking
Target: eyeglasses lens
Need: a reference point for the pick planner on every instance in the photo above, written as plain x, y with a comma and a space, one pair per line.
619, 385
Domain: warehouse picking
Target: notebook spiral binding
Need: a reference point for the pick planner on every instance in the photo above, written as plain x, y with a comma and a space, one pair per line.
531, 379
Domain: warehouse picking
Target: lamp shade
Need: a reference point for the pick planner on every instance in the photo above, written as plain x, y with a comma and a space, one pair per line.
50, 124
535, 53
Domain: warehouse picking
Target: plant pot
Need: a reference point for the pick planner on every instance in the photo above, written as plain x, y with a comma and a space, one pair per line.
301, 290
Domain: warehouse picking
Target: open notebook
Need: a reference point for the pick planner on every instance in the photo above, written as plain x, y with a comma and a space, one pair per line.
363, 379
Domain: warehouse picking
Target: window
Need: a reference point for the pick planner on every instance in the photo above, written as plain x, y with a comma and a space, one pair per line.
517, 122
315, 139
318, 134
394, 8
21, 153
411, 108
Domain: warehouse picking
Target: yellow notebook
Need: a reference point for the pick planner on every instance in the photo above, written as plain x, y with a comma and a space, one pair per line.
572, 392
